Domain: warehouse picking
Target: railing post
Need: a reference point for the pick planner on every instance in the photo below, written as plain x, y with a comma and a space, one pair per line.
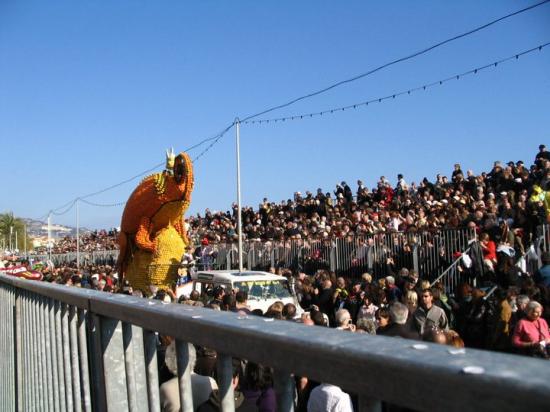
135, 367
184, 375
415, 258
113, 364
18, 352
60, 375
150, 351
225, 382
284, 390
53, 370
75, 370
228, 260
83, 356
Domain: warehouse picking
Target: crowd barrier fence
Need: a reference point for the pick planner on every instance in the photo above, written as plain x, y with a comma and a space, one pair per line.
430, 253
71, 349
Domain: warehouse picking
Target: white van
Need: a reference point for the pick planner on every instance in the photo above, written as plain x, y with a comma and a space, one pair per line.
263, 288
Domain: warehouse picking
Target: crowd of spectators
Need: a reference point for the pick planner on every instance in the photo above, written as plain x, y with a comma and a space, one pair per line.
97, 240
510, 200
512, 192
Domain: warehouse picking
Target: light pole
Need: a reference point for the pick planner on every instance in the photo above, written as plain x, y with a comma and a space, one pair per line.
11, 243
77, 237
50, 236
239, 223
25, 243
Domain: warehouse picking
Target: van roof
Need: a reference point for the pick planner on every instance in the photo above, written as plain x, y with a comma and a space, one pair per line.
234, 275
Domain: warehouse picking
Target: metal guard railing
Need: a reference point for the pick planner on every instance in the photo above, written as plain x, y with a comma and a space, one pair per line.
68, 348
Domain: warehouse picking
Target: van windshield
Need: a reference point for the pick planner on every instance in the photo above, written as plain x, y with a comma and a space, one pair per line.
264, 289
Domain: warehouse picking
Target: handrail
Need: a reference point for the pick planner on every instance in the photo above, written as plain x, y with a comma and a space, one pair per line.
451, 266
375, 367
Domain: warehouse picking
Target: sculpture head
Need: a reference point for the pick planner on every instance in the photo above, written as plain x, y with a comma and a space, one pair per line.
183, 174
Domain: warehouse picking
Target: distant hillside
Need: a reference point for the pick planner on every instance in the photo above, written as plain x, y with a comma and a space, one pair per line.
39, 229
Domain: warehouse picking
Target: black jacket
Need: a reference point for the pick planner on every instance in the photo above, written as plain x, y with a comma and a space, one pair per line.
403, 331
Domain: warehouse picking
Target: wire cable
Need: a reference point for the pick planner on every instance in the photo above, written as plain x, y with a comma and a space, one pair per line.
103, 204
72, 203
215, 139
393, 62
401, 93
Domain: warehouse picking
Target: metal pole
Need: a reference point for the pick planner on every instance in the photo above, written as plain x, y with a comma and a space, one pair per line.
49, 236
18, 335
11, 234
239, 223
26, 255
77, 237
150, 354
16, 243
225, 383
184, 375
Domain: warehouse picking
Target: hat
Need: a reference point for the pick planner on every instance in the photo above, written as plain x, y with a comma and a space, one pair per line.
218, 290
204, 242
542, 146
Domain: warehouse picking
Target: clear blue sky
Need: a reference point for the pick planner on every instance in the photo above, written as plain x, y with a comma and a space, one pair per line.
92, 93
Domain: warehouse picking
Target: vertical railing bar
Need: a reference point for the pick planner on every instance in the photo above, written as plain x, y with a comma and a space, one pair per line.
17, 335
114, 370
83, 357
41, 354
98, 381
184, 375
129, 364
225, 386
49, 349
35, 400
8, 348
26, 352
3, 311
139, 368
150, 349
75, 371
47, 364
59, 355
3, 336
284, 390
66, 356
31, 391
52, 366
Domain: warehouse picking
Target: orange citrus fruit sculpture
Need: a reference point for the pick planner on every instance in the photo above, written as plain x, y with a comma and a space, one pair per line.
152, 235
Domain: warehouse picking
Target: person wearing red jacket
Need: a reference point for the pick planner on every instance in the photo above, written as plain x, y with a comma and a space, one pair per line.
489, 249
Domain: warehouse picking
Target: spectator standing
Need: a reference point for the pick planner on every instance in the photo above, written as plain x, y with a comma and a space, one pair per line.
428, 315
531, 334
398, 323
